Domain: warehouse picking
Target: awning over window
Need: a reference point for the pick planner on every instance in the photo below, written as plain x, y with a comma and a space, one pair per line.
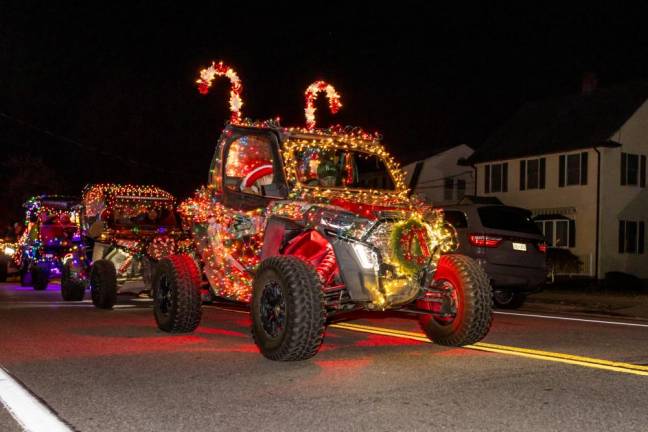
554, 211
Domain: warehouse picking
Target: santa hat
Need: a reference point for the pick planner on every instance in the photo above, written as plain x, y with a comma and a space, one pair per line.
256, 174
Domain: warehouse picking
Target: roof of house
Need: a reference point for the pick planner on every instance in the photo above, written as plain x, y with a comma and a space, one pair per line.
564, 124
438, 151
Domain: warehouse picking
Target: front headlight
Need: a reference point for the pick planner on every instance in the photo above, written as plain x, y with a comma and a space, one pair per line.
9, 251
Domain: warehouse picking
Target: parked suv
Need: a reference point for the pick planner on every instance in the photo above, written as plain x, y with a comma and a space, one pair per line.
506, 243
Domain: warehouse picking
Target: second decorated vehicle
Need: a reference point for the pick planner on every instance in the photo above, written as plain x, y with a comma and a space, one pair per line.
304, 224
126, 229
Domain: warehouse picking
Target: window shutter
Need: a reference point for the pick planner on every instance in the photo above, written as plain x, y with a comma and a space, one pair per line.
542, 173
487, 179
583, 168
624, 158
572, 233
641, 238
561, 171
642, 173
621, 236
522, 174
505, 177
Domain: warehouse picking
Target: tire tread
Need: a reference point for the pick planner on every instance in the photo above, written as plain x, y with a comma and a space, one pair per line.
305, 329
478, 299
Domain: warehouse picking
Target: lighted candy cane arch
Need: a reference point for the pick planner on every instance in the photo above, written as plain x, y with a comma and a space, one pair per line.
208, 75
311, 94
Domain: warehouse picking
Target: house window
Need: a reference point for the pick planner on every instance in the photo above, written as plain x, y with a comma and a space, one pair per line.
496, 178
559, 233
461, 189
532, 173
572, 169
448, 188
631, 237
633, 169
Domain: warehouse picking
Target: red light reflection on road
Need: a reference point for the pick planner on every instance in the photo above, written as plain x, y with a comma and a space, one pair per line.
460, 352
220, 332
380, 340
350, 366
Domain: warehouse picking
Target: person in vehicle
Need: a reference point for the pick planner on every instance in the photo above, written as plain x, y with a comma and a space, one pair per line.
259, 173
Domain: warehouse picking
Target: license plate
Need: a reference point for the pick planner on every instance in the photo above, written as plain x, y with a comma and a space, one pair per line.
519, 246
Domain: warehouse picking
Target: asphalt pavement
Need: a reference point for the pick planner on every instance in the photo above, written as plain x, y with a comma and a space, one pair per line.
99, 370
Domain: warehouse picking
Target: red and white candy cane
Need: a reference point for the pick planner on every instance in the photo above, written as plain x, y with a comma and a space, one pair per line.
208, 75
311, 94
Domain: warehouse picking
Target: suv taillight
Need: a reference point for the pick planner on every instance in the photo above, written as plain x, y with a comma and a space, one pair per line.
542, 247
484, 240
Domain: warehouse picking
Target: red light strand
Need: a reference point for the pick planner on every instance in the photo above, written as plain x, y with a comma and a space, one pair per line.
311, 94
208, 75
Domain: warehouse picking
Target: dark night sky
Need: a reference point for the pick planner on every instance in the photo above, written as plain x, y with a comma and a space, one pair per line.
113, 84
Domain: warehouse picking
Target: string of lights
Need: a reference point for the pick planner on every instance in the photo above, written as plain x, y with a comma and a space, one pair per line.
207, 77
311, 94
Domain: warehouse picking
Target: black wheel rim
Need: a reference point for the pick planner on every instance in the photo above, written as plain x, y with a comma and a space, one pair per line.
163, 297
273, 309
448, 292
503, 297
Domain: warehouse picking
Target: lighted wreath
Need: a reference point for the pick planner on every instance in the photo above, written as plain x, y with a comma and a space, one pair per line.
409, 244
208, 75
311, 94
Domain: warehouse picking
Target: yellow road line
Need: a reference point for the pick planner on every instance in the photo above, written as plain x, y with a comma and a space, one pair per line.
589, 362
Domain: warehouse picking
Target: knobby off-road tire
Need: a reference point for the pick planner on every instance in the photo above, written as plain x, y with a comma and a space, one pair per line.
474, 303
148, 269
288, 312
176, 294
39, 277
25, 275
103, 284
4, 268
72, 289
507, 299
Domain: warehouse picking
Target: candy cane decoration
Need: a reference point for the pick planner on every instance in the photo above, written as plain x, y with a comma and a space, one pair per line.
311, 94
208, 75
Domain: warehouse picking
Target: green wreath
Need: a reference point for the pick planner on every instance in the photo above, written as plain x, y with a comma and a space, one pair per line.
405, 243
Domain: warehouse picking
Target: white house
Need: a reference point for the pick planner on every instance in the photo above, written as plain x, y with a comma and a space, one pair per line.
579, 164
439, 179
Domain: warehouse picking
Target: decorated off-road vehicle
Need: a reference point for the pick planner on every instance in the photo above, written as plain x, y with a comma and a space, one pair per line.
50, 238
304, 224
126, 229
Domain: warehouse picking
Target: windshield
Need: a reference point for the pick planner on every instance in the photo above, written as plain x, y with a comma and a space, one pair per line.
342, 168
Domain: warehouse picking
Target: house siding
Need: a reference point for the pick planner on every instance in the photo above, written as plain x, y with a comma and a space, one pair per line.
582, 198
436, 169
626, 202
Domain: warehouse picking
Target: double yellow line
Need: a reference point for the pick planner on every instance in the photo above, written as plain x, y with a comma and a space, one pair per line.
589, 362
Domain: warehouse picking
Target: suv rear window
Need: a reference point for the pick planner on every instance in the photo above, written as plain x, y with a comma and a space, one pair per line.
507, 218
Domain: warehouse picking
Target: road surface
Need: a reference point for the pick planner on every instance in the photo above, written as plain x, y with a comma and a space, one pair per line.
95, 370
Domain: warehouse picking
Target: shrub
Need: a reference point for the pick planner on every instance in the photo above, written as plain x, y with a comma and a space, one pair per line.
562, 261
